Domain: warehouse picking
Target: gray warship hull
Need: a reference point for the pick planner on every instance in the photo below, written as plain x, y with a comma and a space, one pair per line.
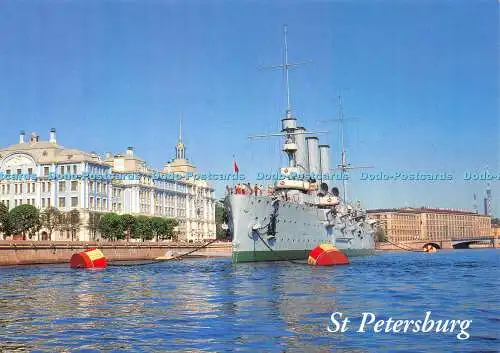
301, 210
298, 228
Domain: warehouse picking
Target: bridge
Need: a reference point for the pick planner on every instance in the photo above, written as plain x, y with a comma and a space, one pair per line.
481, 241
418, 245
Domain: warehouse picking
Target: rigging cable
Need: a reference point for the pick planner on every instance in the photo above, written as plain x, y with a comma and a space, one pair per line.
275, 253
407, 249
178, 257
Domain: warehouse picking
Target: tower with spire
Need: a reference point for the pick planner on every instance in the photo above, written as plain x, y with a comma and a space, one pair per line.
180, 152
180, 164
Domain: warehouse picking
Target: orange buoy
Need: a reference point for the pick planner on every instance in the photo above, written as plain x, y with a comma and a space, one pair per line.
90, 258
327, 255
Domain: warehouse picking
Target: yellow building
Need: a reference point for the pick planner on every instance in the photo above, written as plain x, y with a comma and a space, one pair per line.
423, 223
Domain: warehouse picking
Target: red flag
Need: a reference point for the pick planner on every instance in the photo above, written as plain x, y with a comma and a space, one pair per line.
236, 169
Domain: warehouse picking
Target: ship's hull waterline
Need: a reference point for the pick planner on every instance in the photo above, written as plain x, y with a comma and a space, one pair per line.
287, 255
298, 229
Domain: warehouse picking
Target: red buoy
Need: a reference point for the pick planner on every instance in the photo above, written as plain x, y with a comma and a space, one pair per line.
327, 255
90, 258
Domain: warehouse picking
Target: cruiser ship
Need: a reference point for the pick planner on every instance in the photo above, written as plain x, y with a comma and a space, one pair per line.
301, 210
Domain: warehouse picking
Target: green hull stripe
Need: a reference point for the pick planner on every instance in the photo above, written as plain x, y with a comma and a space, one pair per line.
283, 255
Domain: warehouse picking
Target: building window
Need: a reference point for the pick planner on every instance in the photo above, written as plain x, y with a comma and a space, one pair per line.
43, 187
74, 169
61, 169
46, 171
74, 185
62, 202
43, 203
48, 202
68, 169
30, 171
19, 171
74, 202
62, 186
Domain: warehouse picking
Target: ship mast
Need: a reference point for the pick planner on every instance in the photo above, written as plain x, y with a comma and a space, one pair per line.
344, 166
294, 149
286, 66
289, 122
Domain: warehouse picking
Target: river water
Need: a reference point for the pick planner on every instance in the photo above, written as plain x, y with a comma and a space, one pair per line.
214, 306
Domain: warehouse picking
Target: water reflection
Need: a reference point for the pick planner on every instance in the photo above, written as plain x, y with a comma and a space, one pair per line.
213, 305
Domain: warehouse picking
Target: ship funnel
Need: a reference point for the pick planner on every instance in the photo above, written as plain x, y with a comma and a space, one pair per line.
301, 154
324, 156
313, 154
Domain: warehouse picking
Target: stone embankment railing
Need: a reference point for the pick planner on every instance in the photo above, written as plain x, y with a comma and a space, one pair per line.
42, 252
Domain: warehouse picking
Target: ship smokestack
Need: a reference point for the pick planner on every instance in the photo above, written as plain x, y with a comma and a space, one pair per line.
130, 151
301, 154
324, 157
313, 154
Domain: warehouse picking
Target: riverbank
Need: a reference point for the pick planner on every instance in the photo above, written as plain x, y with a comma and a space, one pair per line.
49, 252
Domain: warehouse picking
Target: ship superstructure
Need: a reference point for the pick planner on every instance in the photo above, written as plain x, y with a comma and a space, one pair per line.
303, 209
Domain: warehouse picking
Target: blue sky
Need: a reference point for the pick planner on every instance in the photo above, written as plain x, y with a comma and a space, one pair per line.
421, 76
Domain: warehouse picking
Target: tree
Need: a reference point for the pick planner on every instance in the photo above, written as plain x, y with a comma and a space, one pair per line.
220, 219
5, 226
142, 228
74, 222
111, 226
49, 219
380, 236
171, 223
25, 220
128, 222
163, 228
159, 225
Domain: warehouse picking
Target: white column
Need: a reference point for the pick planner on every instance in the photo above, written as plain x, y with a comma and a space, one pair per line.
38, 187
53, 184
